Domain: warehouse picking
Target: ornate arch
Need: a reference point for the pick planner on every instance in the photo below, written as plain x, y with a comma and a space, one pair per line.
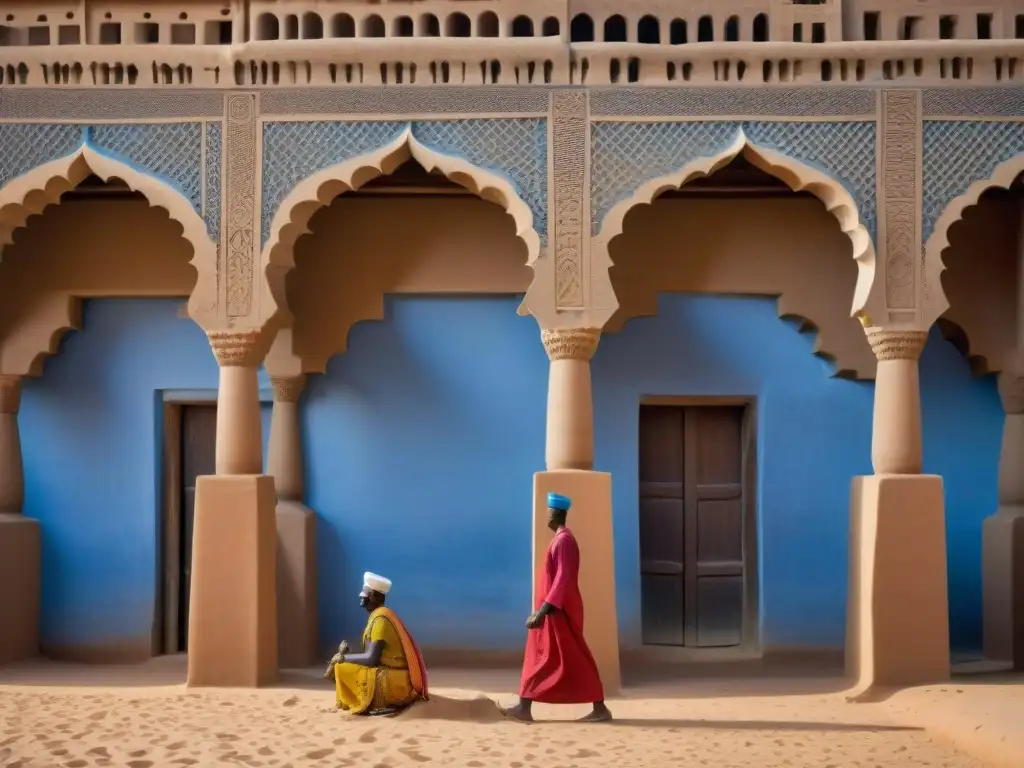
292, 217
797, 175
30, 193
935, 301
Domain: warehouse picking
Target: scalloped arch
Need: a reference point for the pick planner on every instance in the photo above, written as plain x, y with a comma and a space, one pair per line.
318, 190
42, 186
935, 301
797, 175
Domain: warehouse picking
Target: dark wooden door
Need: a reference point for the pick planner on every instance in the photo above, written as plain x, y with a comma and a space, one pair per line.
198, 451
692, 525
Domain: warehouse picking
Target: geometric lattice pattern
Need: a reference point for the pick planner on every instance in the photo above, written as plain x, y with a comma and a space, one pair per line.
625, 155
171, 152
515, 149
211, 200
958, 153
24, 146
293, 151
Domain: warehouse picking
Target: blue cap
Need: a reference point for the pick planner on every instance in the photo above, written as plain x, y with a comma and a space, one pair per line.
559, 502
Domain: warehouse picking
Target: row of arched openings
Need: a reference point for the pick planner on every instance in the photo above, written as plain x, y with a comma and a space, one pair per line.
310, 26
649, 30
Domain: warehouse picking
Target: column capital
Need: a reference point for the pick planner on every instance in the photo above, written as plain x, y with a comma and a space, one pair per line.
570, 343
896, 344
240, 348
10, 393
288, 389
1011, 391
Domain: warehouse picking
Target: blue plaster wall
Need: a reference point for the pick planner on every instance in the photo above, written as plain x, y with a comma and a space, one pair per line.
91, 435
421, 441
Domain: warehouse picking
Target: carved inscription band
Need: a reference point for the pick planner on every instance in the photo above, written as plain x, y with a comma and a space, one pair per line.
287, 389
237, 348
570, 343
900, 193
240, 212
896, 345
569, 157
10, 393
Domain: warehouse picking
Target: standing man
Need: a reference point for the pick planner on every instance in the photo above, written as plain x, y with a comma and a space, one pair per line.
559, 668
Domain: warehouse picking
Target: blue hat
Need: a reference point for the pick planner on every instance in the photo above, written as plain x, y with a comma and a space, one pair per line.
559, 502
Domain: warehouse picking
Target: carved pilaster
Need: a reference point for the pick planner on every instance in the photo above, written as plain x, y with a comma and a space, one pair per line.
237, 348
288, 389
10, 393
570, 343
241, 242
890, 344
569, 185
899, 198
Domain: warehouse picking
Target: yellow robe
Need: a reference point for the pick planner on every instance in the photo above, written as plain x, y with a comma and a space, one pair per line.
365, 689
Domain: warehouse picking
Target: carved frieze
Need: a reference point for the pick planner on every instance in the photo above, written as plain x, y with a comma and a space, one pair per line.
569, 126
889, 344
570, 343
240, 215
899, 190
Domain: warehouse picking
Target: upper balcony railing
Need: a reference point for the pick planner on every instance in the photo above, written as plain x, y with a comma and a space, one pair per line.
512, 61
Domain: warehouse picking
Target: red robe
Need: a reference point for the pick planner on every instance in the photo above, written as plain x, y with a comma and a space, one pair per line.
558, 668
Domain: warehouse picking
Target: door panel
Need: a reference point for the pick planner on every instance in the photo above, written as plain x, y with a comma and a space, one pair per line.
691, 509
198, 457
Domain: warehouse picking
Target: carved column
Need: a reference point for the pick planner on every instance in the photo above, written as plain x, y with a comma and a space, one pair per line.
239, 431
570, 425
284, 454
12, 482
896, 431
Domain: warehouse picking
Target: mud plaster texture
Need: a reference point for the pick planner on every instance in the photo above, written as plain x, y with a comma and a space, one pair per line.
142, 716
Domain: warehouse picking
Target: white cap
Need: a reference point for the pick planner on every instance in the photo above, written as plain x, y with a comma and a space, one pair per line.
376, 583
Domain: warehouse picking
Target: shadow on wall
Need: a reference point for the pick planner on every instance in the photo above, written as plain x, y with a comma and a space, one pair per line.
421, 442
91, 439
814, 435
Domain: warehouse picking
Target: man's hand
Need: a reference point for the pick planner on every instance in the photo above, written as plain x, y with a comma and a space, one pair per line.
536, 621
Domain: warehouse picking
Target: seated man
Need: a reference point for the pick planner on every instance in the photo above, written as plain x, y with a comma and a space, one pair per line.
389, 674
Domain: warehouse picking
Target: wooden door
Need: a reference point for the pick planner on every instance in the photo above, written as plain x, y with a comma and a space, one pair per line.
692, 525
198, 451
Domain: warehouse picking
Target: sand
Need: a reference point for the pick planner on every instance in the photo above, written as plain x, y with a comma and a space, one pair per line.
62, 715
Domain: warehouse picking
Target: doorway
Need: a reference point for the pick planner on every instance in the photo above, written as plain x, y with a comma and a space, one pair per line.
697, 527
190, 439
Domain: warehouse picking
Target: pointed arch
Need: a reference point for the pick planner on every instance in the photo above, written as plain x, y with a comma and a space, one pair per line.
797, 175
31, 192
318, 190
934, 302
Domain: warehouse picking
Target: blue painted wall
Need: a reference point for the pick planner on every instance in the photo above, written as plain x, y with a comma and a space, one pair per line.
91, 434
421, 441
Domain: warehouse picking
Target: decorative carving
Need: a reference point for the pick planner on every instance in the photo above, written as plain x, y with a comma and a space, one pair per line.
568, 163
405, 100
733, 103
237, 348
972, 102
899, 190
24, 146
10, 393
889, 344
288, 389
211, 204
1011, 391
240, 216
625, 155
570, 343
108, 104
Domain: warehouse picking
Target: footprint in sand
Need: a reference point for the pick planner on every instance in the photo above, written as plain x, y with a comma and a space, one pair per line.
98, 715
99, 752
319, 754
586, 753
175, 746
140, 763
339, 741
413, 755
368, 737
76, 763
291, 702
138, 753
264, 751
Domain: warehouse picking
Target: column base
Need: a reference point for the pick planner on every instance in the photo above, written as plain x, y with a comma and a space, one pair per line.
1002, 570
296, 585
591, 522
20, 563
897, 630
232, 633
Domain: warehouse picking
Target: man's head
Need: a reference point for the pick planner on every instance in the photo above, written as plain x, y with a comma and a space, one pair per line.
558, 510
375, 588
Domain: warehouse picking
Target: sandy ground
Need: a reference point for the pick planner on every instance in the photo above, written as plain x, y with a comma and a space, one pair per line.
142, 716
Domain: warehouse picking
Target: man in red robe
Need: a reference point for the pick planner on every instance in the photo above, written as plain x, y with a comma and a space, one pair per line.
559, 668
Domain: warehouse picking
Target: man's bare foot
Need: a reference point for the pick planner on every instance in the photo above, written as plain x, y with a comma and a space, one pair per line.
519, 713
600, 714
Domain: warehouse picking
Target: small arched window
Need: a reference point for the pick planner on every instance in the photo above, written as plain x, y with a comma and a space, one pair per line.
615, 29
581, 29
